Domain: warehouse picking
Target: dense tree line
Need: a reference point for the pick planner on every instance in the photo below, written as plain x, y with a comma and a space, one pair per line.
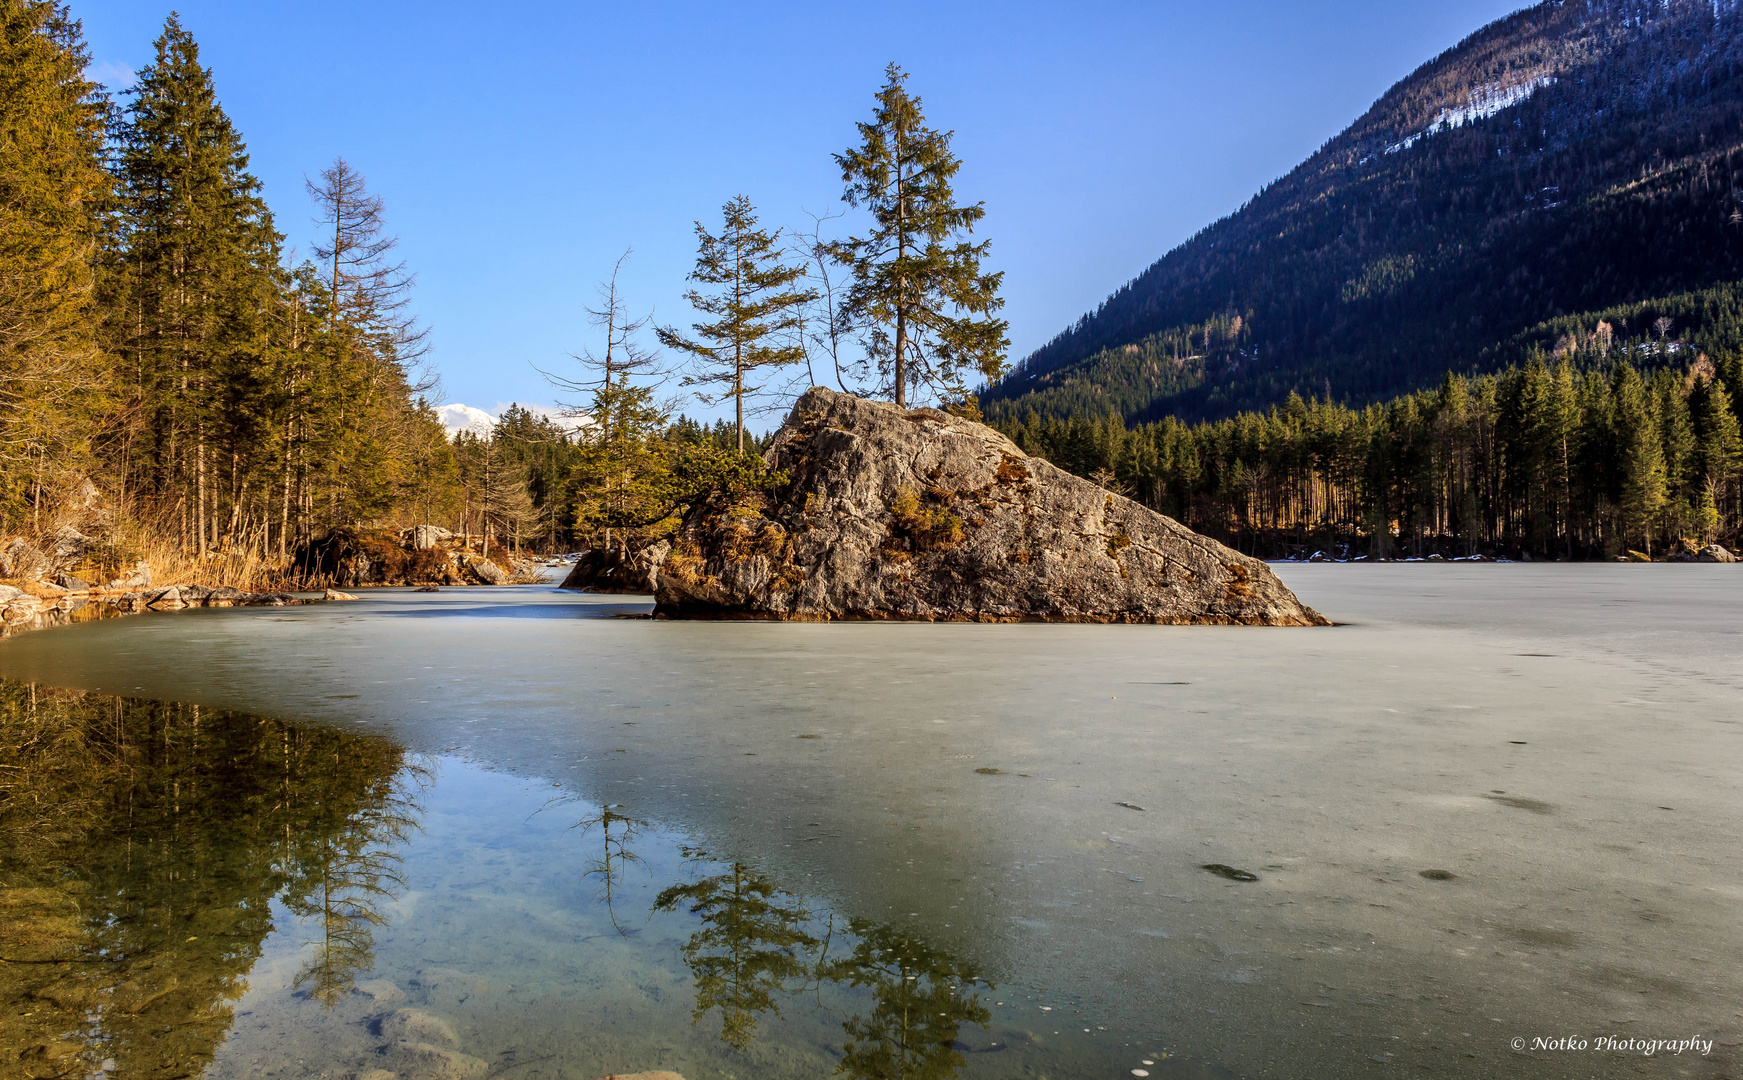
1554, 459
167, 371
155, 341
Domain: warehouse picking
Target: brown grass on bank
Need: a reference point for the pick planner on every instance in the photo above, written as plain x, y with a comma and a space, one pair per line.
120, 548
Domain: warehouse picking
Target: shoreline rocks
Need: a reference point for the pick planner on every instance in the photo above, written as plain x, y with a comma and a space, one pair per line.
21, 611
422, 555
915, 514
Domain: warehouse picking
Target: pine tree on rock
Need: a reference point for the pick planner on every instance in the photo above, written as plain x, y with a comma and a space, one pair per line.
913, 269
757, 313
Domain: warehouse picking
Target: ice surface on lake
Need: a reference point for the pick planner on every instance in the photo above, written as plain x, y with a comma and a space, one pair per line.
1496, 802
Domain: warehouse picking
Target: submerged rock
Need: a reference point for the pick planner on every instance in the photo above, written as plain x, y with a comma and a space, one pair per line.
379, 991
415, 1026
916, 514
435, 1062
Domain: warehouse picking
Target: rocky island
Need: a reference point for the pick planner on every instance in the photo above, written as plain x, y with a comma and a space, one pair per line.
890, 513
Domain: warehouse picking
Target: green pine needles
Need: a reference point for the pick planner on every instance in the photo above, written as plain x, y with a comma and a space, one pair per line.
918, 294
758, 312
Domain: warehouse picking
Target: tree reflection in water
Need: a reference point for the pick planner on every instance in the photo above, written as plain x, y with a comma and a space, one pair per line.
141, 847
352, 872
754, 946
616, 831
748, 948
921, 997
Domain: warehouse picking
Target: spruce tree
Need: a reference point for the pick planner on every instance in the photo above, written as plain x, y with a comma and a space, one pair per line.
1676, 437
1718, 453
200, 267
913, 269
757, 312
53, 189
621, 480
1641, 456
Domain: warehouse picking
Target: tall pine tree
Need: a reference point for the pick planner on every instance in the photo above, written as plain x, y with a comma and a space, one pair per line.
200, 275
53, 190
914, 268
757, 313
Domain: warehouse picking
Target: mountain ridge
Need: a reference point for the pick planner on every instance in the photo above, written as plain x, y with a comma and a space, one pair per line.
1573, 158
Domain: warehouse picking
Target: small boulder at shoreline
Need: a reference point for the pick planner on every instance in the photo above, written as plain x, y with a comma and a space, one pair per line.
916, 514
1715, 553
71, 583
139, 578
486, 571
618, 571
165, 599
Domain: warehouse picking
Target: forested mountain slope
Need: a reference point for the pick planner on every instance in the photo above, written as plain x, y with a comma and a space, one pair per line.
1566, 178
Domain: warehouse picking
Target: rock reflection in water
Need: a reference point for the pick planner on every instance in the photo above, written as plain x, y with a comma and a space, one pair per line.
141, 847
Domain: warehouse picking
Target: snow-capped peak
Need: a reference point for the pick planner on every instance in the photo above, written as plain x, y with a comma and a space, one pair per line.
456, 418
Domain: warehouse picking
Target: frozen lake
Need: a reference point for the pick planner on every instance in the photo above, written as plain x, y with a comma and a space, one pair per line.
1496, 802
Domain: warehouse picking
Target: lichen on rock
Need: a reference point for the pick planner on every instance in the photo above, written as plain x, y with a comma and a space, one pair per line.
916, 514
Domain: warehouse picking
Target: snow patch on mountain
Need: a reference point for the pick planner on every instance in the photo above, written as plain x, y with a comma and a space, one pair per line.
1481, 103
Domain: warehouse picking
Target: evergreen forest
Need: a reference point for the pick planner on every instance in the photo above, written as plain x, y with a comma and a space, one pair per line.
1496, 322
175, 385
1557, 461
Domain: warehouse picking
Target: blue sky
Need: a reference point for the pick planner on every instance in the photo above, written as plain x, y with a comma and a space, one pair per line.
522, 148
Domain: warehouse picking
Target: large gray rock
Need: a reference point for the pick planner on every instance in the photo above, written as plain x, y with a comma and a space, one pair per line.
68, 546
618, 571
20, 558
916, 514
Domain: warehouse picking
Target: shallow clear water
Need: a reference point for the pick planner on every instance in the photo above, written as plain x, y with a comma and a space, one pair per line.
1561, 742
